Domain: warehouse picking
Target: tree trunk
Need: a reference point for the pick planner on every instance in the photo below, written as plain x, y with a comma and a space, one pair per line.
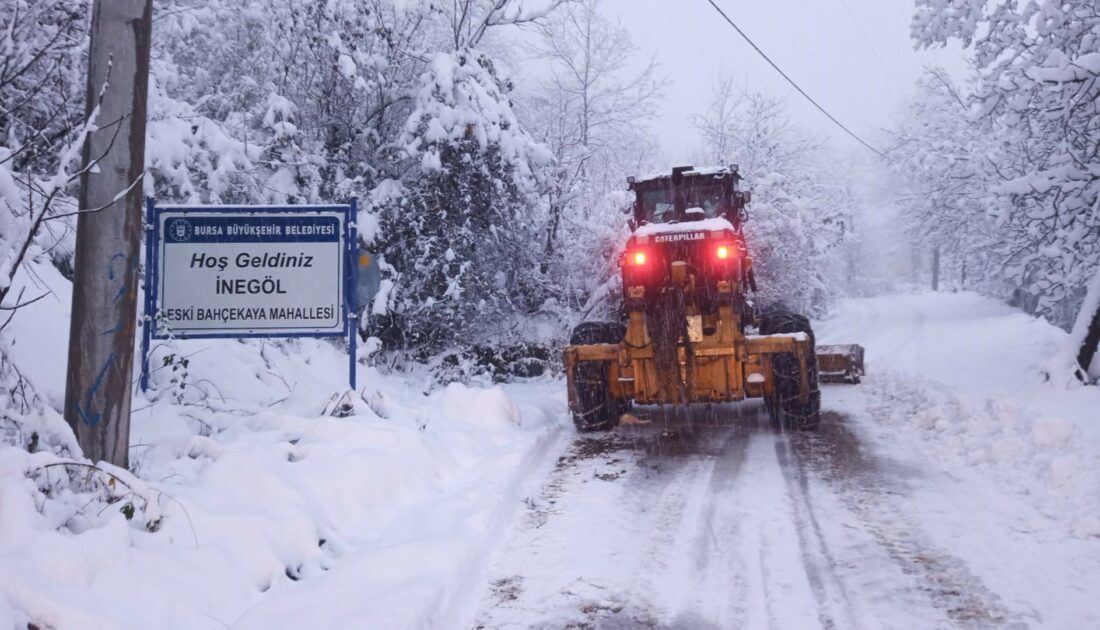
108, 241
1086, 330
936, 269
1087, 351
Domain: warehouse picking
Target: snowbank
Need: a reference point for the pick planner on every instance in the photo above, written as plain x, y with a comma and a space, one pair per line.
257, 482
958, 377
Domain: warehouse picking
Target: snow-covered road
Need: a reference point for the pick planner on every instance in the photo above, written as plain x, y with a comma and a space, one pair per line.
935, 495
717, 521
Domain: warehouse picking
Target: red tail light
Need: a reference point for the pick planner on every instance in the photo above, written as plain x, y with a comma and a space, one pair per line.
636, 258
725, 252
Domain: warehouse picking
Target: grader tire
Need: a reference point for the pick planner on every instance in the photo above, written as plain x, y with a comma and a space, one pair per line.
785, 407
592, 406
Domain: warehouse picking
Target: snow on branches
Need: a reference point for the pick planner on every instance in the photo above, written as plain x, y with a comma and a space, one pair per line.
802, 208
457, 244
463, 103
1038, 92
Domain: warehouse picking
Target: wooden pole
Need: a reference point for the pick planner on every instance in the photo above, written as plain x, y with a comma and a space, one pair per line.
108, 236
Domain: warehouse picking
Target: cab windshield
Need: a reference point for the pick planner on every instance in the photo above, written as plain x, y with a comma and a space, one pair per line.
657, 205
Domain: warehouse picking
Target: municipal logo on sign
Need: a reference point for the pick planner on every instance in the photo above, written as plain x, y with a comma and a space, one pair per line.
179, 230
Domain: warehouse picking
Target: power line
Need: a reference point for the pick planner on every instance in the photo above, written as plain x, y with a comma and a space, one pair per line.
791, 81
870, 45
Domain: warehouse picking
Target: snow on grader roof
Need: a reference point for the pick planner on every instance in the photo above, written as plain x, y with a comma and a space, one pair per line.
690, 170
706, 225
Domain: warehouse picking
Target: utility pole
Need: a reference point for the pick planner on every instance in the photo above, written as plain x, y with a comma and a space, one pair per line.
109, 229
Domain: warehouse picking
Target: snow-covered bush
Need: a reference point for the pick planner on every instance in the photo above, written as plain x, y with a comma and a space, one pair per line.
458, 244
42, 80
41, 119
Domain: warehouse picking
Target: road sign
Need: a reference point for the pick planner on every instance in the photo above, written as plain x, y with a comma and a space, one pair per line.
248, 271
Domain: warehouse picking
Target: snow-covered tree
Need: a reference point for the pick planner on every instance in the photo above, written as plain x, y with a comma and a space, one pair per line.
1039, 88
459, 242
395, 102
593, 111
42, 47
943, 164
302, 99
801, 209
42, 126
467, 22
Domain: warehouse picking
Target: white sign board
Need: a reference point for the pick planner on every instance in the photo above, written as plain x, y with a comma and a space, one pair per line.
250, 273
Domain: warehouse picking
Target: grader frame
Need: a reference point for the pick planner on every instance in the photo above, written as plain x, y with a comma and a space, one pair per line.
726, 366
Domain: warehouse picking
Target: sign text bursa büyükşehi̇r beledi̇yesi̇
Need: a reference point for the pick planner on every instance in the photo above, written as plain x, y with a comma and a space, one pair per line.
275, 230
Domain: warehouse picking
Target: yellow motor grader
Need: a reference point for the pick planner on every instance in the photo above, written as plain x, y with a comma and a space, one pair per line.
684, 335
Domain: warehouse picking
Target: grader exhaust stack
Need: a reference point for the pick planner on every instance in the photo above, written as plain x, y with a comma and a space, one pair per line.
685, 335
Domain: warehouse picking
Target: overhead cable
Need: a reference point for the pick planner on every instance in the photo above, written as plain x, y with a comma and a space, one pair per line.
791, 81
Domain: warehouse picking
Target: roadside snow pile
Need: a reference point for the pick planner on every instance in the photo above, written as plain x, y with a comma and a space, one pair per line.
243, 506
962, 373
1041, 457
250, 480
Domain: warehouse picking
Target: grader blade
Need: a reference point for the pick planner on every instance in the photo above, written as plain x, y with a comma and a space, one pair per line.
840, 363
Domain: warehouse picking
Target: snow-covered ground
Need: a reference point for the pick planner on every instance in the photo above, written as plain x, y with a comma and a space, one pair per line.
964, 375
951, 489
1011, 464
274, 512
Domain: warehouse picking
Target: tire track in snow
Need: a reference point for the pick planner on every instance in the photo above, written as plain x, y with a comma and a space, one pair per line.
704, 570
721, 531
655, 514
576, 560
456, 602
835, 456
779, 591
723, 523
834, 605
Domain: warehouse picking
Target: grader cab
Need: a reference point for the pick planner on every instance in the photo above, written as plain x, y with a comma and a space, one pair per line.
685, 335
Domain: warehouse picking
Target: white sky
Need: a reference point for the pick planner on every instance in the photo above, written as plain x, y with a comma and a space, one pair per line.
854, 57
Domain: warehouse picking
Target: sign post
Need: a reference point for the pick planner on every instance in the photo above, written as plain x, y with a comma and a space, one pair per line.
250, 271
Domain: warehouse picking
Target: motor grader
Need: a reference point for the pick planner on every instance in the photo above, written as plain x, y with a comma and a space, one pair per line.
686, 316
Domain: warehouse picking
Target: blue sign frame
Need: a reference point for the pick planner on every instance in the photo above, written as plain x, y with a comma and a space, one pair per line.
153, 238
